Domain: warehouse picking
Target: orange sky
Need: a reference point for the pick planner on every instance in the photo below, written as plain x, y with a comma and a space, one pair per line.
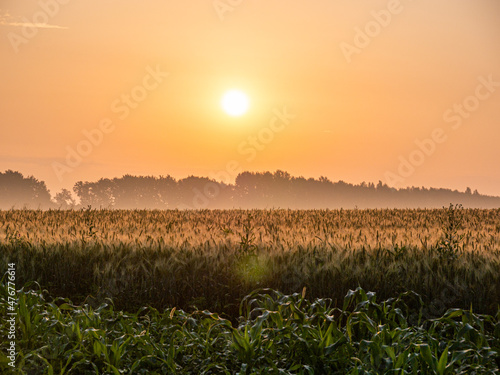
344, 89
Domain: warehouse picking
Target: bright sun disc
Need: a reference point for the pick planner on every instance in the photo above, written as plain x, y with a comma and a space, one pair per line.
235, 103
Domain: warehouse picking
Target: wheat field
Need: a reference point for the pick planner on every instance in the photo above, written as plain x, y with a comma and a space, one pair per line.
211, 259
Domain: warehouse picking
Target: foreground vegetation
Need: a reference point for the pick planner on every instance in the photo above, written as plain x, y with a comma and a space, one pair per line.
174, 291
277, 334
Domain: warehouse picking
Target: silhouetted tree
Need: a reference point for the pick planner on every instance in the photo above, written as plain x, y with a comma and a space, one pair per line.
144, 192
96, 194
17, 191
64, 200
250, 190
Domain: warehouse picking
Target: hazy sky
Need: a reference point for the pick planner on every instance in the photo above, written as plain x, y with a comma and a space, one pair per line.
407, 92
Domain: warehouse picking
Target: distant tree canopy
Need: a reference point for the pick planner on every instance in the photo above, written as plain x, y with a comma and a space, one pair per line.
17, 191
250, 190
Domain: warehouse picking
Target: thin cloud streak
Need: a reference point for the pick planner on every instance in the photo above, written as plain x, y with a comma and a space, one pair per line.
29, 24
6, 19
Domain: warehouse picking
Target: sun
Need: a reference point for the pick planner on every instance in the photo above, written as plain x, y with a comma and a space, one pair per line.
235, 103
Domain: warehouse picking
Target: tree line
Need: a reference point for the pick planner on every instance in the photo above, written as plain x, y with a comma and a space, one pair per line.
250, 190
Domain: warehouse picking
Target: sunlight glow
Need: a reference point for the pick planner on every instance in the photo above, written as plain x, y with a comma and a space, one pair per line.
235, 103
